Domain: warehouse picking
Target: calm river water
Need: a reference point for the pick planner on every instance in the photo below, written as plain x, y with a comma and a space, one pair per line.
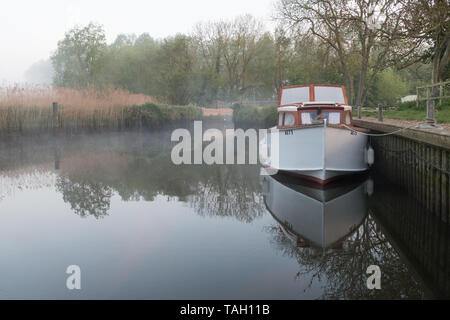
140, 227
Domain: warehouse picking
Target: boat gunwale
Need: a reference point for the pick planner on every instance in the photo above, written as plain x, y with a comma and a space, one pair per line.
320, 125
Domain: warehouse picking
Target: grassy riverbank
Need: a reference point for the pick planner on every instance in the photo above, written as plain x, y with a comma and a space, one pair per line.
410, 111
30, 109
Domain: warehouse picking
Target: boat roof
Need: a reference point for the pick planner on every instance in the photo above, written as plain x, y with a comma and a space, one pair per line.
288, 108
309, 103
312, 93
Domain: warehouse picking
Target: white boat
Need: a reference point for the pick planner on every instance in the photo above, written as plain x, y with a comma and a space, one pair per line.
309, 216
313, 136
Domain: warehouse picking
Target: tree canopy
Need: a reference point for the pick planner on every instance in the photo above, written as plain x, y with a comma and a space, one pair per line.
379, 49
79, 59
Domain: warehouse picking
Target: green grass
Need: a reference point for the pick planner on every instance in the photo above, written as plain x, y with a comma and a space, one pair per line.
410, 111
442, 116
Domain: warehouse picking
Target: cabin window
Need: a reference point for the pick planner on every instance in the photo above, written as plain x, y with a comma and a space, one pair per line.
280, 119
316, 117
289, 119
334, 117
312, 117
306, 118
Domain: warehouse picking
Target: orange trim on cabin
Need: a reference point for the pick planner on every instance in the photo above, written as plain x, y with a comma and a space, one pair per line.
343, 116
290, 87
283, 114
312, 95
298, 120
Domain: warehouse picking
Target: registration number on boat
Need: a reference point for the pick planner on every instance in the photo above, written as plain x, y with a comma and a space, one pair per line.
288, 132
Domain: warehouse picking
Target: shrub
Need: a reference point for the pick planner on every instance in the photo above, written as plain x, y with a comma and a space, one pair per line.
255, 115
151, 115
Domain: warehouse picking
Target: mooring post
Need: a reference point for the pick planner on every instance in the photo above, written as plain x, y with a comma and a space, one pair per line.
57, 155
430, 106
380, 112
430, 113
359, 112
430, 120
55, 116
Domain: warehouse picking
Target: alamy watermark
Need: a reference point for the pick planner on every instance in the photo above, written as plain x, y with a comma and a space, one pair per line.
374, 280
74, 280
225, 147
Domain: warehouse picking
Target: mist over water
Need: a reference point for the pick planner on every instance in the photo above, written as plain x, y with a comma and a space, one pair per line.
141, 227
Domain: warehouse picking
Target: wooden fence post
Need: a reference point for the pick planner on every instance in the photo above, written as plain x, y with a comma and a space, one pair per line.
380, 112
417, 97
359, 112
55, 116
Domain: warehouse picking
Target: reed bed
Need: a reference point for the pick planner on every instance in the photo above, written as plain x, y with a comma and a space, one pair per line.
29, 109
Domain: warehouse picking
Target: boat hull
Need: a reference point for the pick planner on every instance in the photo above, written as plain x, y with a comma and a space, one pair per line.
321, 218
321, 154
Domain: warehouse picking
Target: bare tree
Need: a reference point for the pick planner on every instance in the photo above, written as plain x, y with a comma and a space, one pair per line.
370, 30
283, 55
208, 44
239, 44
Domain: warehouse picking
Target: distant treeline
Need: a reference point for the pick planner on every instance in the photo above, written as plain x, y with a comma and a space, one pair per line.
238, 60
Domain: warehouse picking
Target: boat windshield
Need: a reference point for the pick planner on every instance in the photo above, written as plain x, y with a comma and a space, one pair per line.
314, 117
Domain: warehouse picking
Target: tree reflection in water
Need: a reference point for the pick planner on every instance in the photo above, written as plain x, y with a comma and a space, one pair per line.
89, 179
137, 167
211, 191
340, 268
85, 197
230, 191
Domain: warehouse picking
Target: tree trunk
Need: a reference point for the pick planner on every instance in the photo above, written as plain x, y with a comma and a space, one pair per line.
361, 84
430, 119
350, 89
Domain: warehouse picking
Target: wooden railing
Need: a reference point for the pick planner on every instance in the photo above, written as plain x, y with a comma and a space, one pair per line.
435, 91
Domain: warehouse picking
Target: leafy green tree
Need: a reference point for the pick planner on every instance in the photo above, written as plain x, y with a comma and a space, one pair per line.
79, 58
389, 87
174, 65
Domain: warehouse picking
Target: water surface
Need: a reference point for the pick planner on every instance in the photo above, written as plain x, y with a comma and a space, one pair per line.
141, 227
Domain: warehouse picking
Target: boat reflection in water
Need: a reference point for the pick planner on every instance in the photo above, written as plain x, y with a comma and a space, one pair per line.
316, 217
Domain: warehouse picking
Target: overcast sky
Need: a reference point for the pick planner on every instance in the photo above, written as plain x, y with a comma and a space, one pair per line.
30, 30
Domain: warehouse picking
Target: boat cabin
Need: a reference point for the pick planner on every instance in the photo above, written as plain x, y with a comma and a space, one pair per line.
306, 105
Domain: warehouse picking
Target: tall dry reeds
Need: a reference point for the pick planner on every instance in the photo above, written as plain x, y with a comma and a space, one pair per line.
29, 108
